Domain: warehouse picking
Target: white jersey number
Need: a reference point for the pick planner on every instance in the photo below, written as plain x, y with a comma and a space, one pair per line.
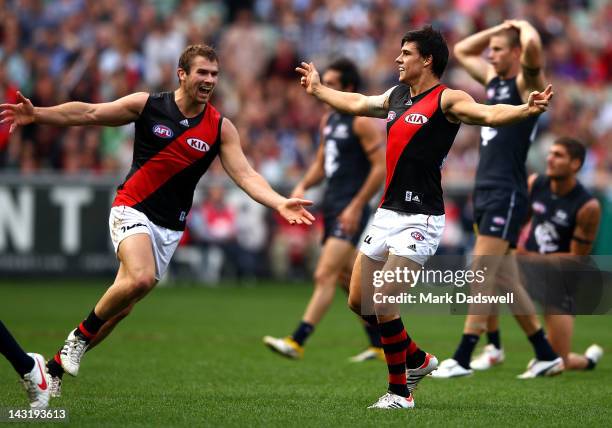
331, 158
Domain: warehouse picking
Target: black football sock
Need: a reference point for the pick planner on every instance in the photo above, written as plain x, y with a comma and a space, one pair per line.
90, 326
463, 354
541, 347
302, 332
54, 366
590, 365
415, 357
395, 342
493, 338
21, 362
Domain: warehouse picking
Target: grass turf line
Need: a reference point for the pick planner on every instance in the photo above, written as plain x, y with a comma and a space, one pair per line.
191, 355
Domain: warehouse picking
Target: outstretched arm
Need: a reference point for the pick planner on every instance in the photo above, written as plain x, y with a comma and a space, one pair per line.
347, 102
240, 171
469, 53
119, 112
458, 106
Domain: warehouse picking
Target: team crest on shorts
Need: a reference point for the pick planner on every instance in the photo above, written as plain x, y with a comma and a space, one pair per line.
417, 235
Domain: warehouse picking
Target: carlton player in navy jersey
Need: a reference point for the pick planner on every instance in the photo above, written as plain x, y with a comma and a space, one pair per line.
178, 134
423, 117
513, 70
351, 160
564, 221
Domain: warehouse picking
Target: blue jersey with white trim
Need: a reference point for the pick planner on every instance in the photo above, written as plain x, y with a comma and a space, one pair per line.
503, 150
346, 164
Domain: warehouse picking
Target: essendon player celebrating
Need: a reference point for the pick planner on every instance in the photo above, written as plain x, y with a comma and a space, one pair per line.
423, 117
178, 134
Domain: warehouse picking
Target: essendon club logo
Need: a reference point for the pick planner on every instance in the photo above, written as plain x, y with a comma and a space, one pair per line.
416, 235
198, 144
162, 131
416, 119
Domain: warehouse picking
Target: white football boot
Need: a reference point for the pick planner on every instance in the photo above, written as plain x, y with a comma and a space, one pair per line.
285, 346
72, 352
36, 383
393, 401
372, 353
414, 376
594, 353
450, 368
489, 357
537, 368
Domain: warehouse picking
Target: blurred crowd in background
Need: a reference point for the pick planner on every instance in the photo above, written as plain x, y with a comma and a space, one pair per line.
95, 51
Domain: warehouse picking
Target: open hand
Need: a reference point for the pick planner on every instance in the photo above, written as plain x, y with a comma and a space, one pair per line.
17, 114
538, 101
293, 211
310, 76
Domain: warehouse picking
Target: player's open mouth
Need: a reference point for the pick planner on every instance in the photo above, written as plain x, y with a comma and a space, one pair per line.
202, 90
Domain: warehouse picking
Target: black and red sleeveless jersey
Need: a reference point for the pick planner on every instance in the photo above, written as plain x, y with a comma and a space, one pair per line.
418, 139
171, 153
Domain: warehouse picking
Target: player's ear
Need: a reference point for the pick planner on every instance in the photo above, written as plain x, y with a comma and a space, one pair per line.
180, 73
575, 165
427, 60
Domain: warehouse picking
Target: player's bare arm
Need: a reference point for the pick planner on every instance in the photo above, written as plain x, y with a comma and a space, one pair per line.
469, 53
458, 106
587, 224
531, 76
240, 171
347, 102
372, 140
316, 172
115, 113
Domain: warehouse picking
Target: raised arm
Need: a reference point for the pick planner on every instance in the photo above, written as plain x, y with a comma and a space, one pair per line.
119, 112
587, 223
531, 76
458, 106
347, 102
372, 140
240, 171
469, 53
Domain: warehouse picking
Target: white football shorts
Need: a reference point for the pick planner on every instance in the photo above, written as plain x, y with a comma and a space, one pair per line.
125, 221
414, 236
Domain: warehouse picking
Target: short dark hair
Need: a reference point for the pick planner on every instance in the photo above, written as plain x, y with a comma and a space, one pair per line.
193, 51
513, 36
430, 42
349, 73
575, 148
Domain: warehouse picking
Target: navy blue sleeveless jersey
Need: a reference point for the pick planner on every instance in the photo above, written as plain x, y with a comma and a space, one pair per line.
554, 217
418, 139
503, 150
346, 164
171, 153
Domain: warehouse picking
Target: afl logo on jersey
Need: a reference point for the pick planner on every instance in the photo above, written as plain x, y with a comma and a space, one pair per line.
390, 116
416, 119
198, 144
538, 207
162, 131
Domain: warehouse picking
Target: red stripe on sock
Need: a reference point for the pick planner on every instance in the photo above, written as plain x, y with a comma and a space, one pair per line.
397, 379
396, 358
83, 330
394, 339
57, 358
412, 348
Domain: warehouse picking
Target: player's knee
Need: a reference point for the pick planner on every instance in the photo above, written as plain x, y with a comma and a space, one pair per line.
325, 277
354, 304
141, 283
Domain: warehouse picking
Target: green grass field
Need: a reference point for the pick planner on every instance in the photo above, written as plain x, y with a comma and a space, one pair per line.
193, 356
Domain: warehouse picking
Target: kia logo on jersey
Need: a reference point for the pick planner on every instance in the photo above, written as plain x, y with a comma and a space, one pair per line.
198, 144
416, 119
162, 131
